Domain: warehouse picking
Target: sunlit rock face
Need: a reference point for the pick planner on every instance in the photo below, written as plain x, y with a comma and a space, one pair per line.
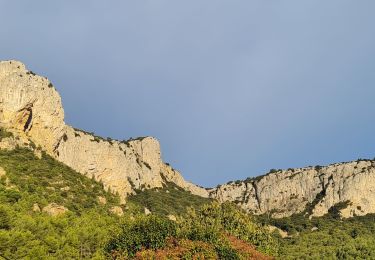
30, 105
313, 190
31, 108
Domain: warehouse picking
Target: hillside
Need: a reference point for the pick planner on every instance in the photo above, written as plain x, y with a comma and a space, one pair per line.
314, 190
50, 211
31, 108
327, 237
68, 194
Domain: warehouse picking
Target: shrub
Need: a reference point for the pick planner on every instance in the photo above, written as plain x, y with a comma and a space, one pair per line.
5, 134
4, 219
215, 219
181, 249
10, 196
144, 232
318, 168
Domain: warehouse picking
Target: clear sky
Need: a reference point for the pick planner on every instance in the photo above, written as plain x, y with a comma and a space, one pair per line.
230, 88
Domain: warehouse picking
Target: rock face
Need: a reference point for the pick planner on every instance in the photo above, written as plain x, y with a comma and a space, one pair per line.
117, 211
30, 105
316, 189
31, 108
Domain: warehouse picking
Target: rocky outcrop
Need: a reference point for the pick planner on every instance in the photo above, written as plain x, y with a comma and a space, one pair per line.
171, 175
36, 207
282, 233
117, 211
30, 105
54, 209
315, 190
31, 108
102, 200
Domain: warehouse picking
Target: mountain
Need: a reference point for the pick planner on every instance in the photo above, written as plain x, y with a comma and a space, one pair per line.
68, 194
31, 108
50, 211
313, 190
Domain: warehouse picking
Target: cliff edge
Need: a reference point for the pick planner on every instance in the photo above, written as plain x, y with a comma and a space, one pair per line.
31, 108
348, 187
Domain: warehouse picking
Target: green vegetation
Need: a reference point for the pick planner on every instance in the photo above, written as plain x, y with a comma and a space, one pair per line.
328, 237
203, 229
80, 233
213, 225
170, 199
212, 220
144, 232
4, 134
50, 181
89, 231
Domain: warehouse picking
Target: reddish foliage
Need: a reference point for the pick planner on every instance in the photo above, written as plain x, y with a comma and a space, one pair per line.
246, 249
176, 249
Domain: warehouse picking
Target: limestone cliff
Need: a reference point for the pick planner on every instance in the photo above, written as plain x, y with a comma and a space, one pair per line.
31, 108
312, 189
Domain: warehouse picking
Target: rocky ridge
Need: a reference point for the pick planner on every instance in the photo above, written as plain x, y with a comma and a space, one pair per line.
31, 108
350, 187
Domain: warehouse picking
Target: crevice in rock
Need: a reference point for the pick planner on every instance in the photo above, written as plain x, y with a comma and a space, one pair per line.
310, 206
28, 125
256, 194
55, 149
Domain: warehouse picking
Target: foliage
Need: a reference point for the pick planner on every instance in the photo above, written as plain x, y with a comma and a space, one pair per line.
48, 181
180, 249
81, 233
211, 225
4, 134
89, 231
143, 232
168, 200
327, 237
213, 220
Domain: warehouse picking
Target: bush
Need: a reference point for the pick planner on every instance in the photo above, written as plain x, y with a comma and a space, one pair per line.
215, 219
4, 134
10, 196
144, 232
4, 219
227, 253
181, 249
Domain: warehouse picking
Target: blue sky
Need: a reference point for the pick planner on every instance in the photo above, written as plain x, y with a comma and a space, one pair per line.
230, 88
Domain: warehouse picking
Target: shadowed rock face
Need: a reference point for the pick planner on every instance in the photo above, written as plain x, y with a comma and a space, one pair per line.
284, 193
31, 108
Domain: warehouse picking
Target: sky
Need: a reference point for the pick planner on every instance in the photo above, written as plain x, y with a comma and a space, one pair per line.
231, 89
